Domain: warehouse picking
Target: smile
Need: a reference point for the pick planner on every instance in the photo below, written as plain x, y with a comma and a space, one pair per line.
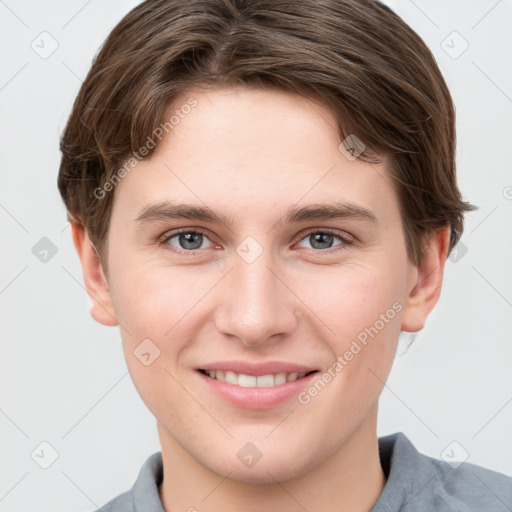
260, 381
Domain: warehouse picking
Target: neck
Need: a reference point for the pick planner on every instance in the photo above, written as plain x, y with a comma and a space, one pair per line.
351, 479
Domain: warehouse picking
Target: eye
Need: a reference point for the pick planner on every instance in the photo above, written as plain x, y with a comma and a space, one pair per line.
185, 240
323, 239
190, 241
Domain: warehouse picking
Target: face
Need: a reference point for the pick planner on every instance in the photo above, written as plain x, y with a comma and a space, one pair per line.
268, 277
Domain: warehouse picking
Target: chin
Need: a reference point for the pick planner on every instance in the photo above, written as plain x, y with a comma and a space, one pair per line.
264, 475
266, 471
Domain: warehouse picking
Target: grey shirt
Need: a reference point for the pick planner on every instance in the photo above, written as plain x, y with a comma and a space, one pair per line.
415, 483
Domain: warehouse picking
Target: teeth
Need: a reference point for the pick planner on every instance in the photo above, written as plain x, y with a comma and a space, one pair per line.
229, 377
267, 381
250, 381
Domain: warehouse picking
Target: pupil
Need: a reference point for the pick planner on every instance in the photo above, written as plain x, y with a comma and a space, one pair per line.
191, 240
321, 238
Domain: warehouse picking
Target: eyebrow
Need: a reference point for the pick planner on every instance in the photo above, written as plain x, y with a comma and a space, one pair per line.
168, 210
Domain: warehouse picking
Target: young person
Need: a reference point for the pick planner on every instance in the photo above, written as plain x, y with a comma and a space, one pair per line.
263, 196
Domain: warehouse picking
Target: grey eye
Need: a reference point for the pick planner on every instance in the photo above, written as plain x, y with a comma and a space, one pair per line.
321, 240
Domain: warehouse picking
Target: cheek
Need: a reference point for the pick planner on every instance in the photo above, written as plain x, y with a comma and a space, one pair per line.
150, 300
363, 312
155, 306
355, 298
162, 304
365, 317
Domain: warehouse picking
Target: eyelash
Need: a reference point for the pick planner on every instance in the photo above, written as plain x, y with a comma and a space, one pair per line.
193, 252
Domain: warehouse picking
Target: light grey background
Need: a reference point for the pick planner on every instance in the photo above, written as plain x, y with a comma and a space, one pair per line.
64, 378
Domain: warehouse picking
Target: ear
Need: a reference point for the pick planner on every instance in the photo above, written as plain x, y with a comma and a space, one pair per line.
425, 288
96, 284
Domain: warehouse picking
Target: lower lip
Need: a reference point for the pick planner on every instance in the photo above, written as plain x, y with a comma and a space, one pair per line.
255, 397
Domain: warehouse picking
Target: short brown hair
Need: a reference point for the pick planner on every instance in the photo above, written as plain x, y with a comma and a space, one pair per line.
357, 57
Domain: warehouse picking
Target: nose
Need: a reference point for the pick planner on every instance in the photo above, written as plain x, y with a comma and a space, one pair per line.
258, 307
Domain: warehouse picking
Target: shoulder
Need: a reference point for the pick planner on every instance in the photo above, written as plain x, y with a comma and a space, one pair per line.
419, 482
469, 487
143, 495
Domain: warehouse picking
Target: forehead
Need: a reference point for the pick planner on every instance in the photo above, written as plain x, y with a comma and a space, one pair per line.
238, 148
264, 116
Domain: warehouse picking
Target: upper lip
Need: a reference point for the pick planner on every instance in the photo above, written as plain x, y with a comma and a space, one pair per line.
257, 369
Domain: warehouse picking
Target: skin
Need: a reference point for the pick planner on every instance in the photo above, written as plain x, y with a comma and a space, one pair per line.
251, 154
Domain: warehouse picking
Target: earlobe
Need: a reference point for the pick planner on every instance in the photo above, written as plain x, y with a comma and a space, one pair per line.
426, 289
96, 284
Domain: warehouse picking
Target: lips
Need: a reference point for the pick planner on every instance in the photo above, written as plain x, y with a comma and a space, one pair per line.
248, 393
